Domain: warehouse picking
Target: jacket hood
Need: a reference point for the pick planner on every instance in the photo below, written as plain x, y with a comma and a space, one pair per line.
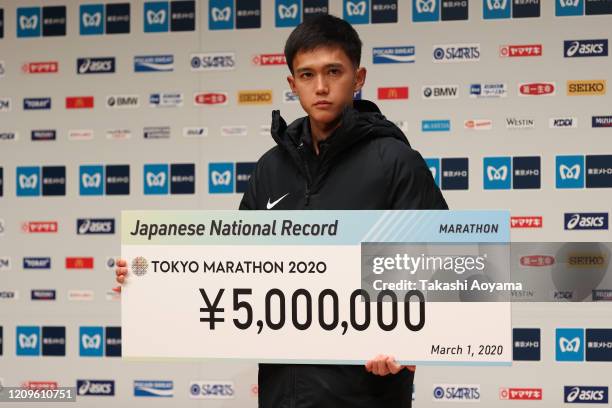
360, 122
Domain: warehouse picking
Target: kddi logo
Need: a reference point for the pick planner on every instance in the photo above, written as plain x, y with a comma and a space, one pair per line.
122, 101
440, 92
563, 123
255, 97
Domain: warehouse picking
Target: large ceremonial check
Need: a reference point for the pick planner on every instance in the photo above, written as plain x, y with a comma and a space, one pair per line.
333, 287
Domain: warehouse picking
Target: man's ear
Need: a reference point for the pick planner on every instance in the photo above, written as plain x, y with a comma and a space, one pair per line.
360, 78
291, 82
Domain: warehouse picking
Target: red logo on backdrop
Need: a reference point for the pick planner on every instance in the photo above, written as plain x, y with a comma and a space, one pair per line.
526, 222
79, 102
39, 227
537, 260
211, 98
39, 385
254, 390
531, 394
79, 263
531, 50
48, 67
269, 59
537, 88
400, 92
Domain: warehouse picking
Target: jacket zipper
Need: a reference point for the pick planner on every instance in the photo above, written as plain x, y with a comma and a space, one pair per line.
308, 176
293, 400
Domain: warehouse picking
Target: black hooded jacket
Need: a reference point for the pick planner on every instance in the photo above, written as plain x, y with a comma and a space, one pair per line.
365, 164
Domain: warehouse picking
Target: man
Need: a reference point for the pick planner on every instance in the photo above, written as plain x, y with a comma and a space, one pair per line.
343, 156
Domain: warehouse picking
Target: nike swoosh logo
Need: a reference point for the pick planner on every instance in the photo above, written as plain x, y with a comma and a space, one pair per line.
271, 205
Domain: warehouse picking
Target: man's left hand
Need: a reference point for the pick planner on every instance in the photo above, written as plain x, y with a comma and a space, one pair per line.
385, 365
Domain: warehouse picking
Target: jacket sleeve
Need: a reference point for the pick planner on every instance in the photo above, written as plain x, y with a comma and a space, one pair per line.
411, 185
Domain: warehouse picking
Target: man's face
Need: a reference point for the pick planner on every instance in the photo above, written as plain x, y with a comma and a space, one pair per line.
324, 80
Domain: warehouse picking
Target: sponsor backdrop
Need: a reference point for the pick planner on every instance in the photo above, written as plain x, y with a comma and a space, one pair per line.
112, 105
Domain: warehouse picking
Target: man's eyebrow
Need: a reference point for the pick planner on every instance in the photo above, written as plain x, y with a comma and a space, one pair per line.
330, 65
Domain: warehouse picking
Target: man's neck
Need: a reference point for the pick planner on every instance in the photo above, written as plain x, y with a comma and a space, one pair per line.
321, 131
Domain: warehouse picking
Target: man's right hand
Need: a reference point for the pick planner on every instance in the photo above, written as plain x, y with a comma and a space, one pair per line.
121, 271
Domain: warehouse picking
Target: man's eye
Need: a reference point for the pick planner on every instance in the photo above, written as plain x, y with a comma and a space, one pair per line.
334, 71
306, 75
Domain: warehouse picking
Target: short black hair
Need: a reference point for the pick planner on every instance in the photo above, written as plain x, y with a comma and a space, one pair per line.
323, 30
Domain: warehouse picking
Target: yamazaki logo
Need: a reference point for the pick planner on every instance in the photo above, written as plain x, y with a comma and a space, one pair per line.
532, 394
269, 59
400, 92
79, 263
39, 385
526, 222
537, 260
48, 67
39, 227
79, 102
530, 50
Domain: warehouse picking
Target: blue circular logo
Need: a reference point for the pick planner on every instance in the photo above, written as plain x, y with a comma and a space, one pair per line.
438, 392
194, 389
438, 53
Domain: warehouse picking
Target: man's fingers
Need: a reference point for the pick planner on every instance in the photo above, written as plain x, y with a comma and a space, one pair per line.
121, 262
382, 367
368, 366
121, 279
411, 368
392, 365
121, 271
117, 289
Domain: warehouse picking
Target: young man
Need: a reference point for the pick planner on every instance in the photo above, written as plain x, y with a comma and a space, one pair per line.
343, 156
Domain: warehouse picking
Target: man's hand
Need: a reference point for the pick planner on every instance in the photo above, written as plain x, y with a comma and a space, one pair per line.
121, 272
384, 365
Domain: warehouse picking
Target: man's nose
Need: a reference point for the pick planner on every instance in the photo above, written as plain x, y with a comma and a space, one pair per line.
322, 85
